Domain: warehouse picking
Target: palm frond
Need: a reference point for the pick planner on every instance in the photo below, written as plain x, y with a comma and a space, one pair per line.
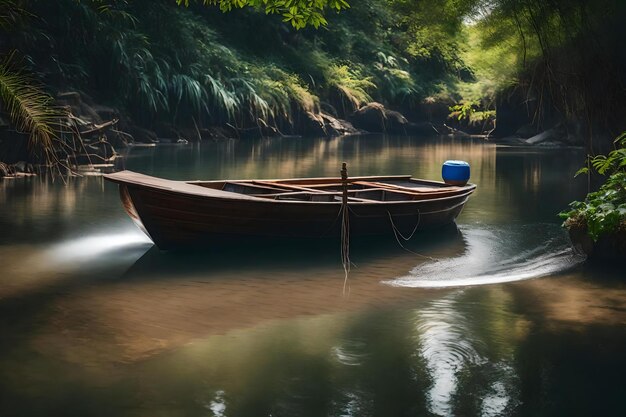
10, 13
30, 109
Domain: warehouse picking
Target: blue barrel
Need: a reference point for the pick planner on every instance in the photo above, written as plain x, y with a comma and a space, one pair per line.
455, 172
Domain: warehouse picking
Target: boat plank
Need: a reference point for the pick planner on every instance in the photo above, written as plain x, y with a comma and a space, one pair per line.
289, 186
421, 190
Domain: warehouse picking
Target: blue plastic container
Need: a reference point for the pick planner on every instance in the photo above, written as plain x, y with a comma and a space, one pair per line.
455, 172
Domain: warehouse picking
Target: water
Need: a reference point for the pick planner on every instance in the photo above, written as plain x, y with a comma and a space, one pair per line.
498, 317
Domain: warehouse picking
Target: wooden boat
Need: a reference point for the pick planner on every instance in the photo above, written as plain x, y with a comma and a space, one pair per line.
185, 213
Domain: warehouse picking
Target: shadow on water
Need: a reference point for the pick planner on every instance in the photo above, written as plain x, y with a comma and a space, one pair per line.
88, 292
296, 255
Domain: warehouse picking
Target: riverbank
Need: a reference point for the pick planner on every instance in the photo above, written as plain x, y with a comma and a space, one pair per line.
94, 134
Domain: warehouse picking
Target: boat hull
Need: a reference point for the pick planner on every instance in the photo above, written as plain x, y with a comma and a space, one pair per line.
175, 219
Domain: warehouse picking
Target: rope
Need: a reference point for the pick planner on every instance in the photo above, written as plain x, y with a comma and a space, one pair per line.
397, 232
344, 212
345, 246
345, 228
334, 221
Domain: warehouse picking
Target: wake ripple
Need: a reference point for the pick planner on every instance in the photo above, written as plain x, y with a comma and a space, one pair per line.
496, 256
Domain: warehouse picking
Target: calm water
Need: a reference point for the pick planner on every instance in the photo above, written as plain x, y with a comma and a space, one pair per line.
497, 317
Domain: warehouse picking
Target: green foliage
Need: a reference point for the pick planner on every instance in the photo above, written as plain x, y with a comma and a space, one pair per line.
352, 85
431, 28
196, 66
394, 80
463, 110
10, 13
603, 164
495, 65
566, 55
298, 13
615, 160
603, 211
175, 67
470, 111
281, 92
29, 108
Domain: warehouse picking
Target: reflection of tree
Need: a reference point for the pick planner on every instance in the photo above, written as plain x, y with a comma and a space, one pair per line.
36, 208
538, 184
291, 157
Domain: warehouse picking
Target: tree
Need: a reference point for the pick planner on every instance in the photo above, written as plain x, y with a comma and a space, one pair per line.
300, 13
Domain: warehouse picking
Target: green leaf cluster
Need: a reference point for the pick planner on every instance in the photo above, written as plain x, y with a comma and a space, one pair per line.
615, 160
298, 13
603, 211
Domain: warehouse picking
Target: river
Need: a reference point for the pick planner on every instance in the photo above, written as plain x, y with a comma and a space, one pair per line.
496, 317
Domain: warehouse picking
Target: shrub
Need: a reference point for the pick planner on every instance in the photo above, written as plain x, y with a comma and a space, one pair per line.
603, 211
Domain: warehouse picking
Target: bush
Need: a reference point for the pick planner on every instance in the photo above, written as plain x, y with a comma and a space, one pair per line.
604, 211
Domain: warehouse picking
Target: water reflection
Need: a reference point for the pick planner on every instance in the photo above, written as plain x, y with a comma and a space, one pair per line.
289, 157
96, 322
218, 404
91, 249
453, 350
446, 350
166, 300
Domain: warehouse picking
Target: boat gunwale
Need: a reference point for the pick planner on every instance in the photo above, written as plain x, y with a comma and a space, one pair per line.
464, 191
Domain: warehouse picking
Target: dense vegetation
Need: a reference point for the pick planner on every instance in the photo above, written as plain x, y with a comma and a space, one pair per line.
186, 64
162, 62
565, 60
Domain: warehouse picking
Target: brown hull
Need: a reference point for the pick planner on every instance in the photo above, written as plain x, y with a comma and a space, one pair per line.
175, 217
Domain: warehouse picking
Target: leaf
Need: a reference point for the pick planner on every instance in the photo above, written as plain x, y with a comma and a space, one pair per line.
582, 171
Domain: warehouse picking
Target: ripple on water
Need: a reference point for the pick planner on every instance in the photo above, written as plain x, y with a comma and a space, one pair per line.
217, 404
442, 331
351, 404
496, 255
445, 349
350, 352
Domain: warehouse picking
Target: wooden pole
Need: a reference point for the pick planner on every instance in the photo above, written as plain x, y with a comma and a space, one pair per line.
344, 183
